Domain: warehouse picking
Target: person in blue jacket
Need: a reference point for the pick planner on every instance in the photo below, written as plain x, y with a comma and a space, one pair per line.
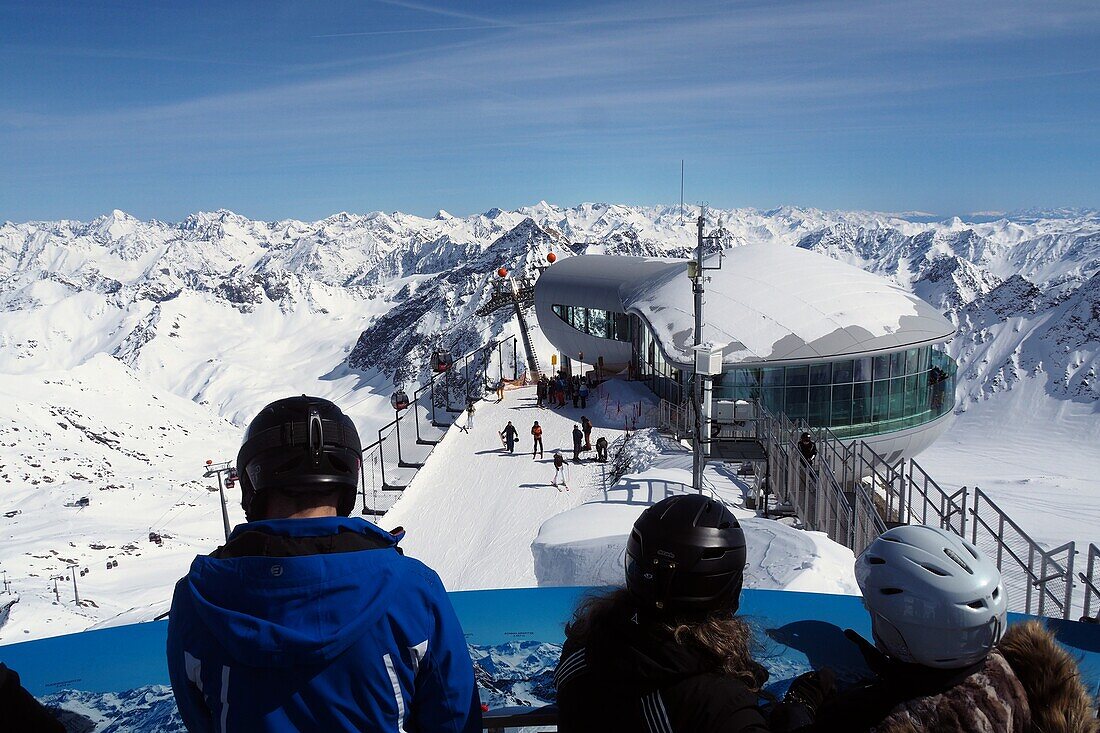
306, 619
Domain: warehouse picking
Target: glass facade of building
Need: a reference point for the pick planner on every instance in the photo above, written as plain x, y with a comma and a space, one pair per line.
599, 323
853, 397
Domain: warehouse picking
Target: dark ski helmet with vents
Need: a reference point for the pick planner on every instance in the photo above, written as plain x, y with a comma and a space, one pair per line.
686, 554
299, 445
934, 598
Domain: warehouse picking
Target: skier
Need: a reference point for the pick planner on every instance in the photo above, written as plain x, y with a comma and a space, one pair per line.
601, 449
469, 418
541, 392
500, 390
942, 669
582, 392
667, 653
509, 436
536, 432
559, 470
306, 619
586, 426
574, 392
577, 437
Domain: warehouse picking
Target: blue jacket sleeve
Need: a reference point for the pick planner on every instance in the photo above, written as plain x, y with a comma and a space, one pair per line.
189, 699
446, 697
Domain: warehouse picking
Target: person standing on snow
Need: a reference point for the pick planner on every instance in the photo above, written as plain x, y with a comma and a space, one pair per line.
306, 619
578, 436
559, 471
469, 418
586, 426
509, 435
541, 392
601, 449
582, 392
536, 433
499, 388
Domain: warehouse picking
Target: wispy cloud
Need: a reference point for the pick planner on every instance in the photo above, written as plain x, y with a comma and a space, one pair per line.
545, 84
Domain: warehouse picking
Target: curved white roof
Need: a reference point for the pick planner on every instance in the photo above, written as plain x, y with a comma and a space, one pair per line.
769, 303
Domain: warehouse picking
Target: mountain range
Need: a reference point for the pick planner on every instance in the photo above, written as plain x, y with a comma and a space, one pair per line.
132, 351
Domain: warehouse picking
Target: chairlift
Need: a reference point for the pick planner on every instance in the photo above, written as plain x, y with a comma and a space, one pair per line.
399, 400
233, 475
443, 360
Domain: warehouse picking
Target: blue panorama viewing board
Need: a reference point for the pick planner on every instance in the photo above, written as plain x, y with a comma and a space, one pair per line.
120, 675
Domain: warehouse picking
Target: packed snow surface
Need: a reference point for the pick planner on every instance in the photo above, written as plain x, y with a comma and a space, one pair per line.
499, 522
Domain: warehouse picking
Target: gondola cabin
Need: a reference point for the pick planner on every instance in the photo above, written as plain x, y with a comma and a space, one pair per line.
399, 400
443, 361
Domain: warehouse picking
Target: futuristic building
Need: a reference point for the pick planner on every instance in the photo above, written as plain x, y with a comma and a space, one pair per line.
804, 334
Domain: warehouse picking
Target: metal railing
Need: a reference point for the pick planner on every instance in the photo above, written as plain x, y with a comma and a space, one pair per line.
852, 494
1043, 578
465, 381
502, 719
1091, 583
927, 503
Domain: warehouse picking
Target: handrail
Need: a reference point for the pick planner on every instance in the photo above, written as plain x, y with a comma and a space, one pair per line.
497, 721
1092, 584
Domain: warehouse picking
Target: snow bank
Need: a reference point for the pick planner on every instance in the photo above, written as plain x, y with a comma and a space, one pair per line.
585, 546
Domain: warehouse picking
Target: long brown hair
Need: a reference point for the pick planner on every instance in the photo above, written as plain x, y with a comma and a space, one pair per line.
723, 641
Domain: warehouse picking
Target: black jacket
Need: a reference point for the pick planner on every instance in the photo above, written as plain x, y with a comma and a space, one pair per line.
21, 711
631, 680
578, 437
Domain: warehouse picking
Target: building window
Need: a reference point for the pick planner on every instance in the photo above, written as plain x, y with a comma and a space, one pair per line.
594, 322
853, 397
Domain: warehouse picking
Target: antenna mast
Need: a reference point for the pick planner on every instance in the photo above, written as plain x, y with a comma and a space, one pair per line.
681, 191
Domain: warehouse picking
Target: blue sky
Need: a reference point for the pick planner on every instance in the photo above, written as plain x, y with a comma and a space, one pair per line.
293, 109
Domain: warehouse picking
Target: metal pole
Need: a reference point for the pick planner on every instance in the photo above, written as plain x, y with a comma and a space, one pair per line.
397, 427
697, 391
225, 511
515, 360
431, 385
76, 594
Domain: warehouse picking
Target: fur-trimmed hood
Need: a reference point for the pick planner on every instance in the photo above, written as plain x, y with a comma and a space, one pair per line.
1028, 684
1059, 701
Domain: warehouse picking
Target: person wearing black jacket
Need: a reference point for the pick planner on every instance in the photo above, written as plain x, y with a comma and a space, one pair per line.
667, 654
578, 436
20, 710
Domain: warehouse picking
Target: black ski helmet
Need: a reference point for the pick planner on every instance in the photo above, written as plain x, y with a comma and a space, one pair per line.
686, 554
299, 445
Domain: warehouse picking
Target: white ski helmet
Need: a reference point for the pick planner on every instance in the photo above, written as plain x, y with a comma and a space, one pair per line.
934, 599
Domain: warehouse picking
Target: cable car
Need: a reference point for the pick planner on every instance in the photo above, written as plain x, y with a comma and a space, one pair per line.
443, 360
399, 400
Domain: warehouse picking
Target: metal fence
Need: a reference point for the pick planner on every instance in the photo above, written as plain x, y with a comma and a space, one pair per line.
433, 405
852, 494
1042, 579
